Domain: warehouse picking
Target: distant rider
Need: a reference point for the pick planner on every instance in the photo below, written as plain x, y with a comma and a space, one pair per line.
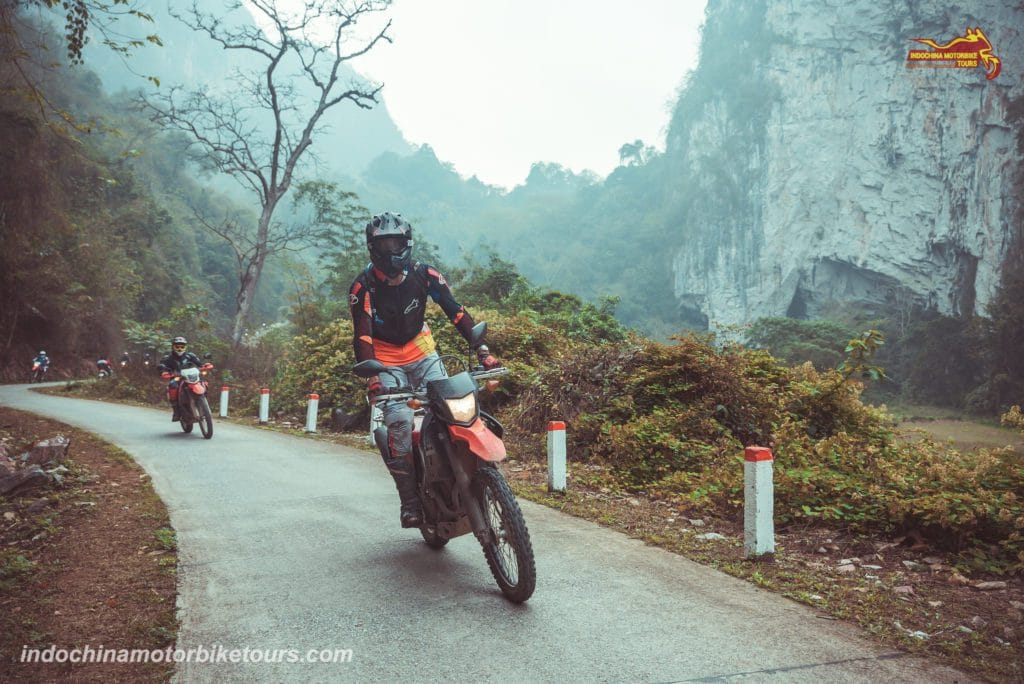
170, 368
103, 366
43, 360
125, 359
388, 301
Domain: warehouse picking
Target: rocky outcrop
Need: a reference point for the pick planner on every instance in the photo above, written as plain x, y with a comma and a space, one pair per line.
813, 169
25, 473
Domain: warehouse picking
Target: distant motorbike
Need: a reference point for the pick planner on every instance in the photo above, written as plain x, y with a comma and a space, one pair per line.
456, 449
38, 371
104, 369
193, 406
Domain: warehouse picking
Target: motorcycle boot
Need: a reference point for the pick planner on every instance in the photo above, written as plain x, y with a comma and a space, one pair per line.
177, 413
401, 469
411, 511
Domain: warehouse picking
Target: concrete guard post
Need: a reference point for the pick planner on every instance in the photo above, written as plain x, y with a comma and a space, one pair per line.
264, 405
314, 403
556, 456
758, 503
224, 402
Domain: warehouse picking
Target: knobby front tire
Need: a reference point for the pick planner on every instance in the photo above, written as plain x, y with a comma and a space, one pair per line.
205, 418
508, 550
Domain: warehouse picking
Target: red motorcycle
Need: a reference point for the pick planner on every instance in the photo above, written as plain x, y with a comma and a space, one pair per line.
456, 450
38, 371
193, 406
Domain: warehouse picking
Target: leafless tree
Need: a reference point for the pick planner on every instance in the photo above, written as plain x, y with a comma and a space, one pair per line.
258, 132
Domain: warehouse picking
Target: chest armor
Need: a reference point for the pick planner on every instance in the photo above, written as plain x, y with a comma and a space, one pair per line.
398, 310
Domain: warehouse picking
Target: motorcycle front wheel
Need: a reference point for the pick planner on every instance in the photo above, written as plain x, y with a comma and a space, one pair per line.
508, 550
205, 418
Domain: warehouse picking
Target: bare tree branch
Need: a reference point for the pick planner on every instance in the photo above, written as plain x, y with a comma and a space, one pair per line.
259, 132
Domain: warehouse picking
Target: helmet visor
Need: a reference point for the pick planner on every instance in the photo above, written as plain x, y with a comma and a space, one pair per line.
393, 245
179, 346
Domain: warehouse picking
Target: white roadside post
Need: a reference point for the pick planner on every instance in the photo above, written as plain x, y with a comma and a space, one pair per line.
314, 402
758, 503
556, 456
264, 405
224, 402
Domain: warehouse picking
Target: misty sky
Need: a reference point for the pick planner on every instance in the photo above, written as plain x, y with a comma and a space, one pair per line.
495, 85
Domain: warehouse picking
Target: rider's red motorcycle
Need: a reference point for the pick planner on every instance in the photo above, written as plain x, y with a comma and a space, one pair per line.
193, 406
456, 449
38, 371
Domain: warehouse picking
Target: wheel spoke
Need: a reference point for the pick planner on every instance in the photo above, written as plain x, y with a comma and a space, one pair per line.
506, 554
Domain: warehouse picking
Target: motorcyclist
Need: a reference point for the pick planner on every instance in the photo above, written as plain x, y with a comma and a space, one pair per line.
170, 367
43, 360
103, 366
125, 359
388, 303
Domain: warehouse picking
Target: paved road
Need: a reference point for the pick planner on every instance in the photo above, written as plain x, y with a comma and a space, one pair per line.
293, 543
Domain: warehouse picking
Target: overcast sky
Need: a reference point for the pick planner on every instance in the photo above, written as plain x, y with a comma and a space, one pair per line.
495, 85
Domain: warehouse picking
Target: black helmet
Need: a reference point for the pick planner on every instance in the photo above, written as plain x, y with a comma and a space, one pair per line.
389, 239
179, 340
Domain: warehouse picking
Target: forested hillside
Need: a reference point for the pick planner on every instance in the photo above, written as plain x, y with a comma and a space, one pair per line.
96, 218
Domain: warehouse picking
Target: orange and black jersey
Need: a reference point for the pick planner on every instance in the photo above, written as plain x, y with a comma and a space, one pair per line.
388, 320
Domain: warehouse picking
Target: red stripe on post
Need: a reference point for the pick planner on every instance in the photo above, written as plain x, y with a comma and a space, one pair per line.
314, 396
755, 453
265, 391
556, 425
224, 389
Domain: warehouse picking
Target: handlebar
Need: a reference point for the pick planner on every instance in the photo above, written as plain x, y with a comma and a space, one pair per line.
406, 393
482, 374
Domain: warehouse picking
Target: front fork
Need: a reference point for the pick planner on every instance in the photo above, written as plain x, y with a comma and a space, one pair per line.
477, 520
186, 406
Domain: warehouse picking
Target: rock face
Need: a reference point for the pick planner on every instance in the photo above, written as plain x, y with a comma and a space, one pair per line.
812, 169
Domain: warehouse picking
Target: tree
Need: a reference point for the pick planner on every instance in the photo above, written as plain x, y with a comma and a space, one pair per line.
23, 46
299, 53
636, 153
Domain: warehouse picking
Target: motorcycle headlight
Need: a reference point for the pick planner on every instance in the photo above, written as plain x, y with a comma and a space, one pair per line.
462, 409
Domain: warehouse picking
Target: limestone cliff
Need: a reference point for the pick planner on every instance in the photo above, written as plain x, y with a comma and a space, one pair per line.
813, 168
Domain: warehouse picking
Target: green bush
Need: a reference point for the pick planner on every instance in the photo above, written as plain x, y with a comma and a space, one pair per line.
320, 363
673, 420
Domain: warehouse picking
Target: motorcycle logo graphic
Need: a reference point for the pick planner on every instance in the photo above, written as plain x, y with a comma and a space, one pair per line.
969, 51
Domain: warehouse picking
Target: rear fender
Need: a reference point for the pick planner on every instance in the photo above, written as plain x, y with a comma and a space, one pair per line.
480, 440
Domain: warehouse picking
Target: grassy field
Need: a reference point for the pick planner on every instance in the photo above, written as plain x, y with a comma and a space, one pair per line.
960, 431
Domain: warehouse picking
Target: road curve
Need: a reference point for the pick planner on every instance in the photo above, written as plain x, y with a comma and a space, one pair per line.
292, 544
